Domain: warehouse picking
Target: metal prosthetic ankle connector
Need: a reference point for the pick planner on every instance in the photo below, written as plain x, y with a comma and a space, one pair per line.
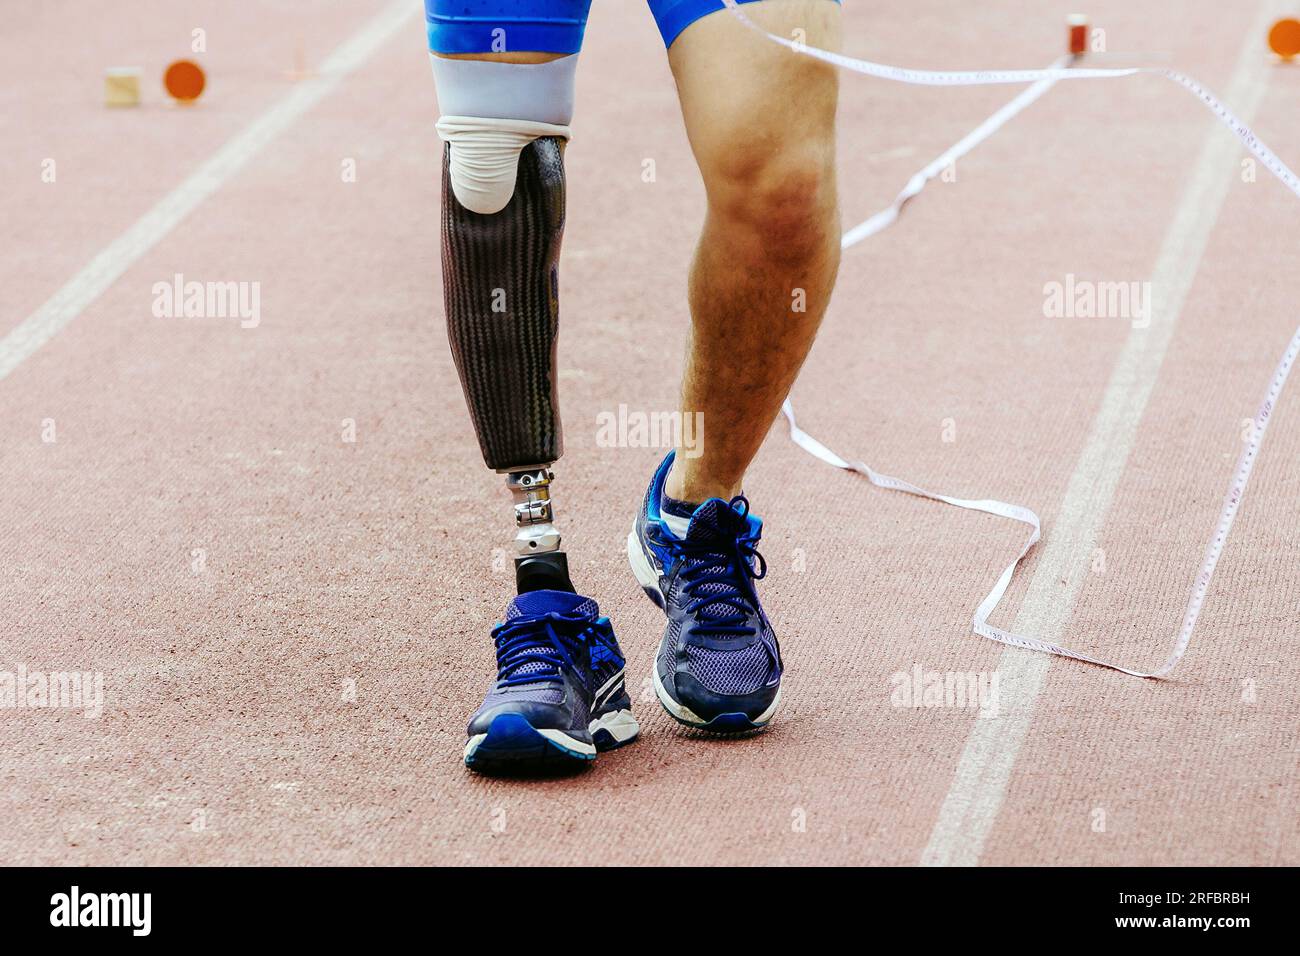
531, 490
539, 562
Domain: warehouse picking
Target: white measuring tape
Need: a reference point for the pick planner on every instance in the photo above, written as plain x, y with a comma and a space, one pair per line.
995, 77
888, 215
1043, 80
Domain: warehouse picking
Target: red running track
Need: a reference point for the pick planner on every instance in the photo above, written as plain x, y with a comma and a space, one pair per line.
199, 532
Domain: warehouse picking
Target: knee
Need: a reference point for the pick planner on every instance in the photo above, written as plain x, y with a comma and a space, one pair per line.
780, 191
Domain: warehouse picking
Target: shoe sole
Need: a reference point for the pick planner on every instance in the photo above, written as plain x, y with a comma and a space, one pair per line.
513, 744
614, 729
735, 723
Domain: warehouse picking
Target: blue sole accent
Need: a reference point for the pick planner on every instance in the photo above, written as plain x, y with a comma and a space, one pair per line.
732, 723
722, 724
512, 743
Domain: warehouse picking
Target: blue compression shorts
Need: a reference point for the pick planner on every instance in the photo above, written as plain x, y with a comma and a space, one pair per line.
538, 26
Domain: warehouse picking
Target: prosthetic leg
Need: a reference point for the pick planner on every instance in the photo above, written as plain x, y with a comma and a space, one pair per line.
560, 694
502, 222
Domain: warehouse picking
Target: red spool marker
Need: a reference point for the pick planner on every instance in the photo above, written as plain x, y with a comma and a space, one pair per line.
1078, 24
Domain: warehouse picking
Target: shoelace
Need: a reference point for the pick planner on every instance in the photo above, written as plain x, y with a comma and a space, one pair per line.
536, 640
547, 640
727, 563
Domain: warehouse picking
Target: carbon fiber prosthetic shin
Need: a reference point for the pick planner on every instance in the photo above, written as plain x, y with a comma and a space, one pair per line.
500, 288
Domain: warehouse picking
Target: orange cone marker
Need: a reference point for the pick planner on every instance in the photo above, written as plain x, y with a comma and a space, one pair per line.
184, 81
1284, 38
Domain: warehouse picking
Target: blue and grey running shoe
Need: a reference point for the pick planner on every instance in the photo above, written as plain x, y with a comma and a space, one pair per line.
560, 694
719, 665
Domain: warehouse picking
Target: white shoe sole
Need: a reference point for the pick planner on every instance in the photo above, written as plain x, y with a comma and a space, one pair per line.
620, 724
688, 716
646, 575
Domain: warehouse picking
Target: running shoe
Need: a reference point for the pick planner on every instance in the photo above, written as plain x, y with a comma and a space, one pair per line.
560, 694
719, 664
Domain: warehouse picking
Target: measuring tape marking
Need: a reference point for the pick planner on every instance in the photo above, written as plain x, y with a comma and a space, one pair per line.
1043, 80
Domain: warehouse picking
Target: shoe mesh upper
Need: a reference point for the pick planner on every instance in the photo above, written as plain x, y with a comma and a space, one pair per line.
730, 672
739, 671
544, 692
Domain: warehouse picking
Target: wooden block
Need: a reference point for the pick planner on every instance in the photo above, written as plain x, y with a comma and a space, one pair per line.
122, 86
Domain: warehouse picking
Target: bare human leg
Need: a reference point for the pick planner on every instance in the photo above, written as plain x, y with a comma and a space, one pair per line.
762, 127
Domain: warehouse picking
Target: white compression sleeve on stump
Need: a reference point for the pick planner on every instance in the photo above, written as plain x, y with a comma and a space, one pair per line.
491, 111
485, 157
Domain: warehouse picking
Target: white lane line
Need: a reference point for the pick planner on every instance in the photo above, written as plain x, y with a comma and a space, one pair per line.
128, 248
984, 769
